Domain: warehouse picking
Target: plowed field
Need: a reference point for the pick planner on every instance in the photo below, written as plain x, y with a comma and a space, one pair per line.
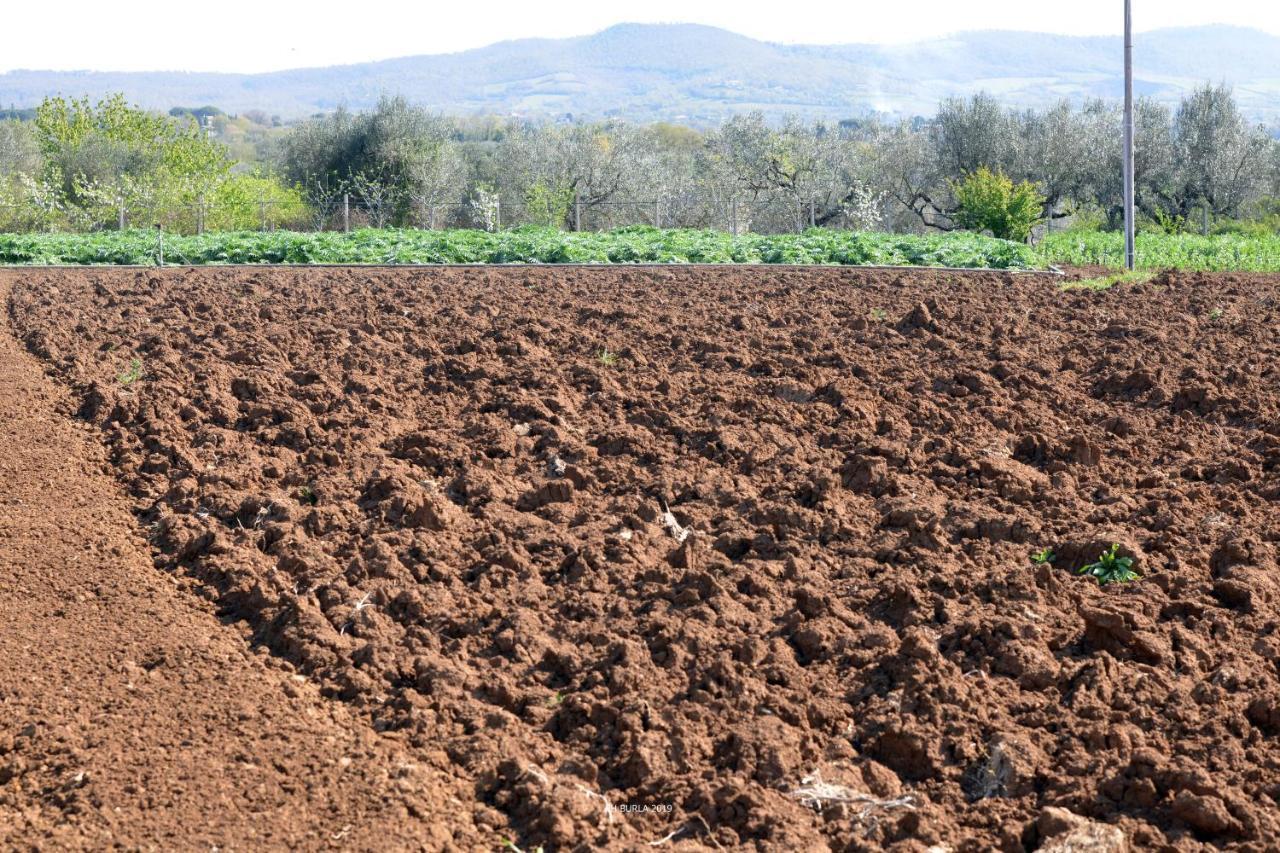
728, 557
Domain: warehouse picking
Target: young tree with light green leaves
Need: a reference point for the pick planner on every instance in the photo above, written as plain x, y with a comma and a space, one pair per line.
98, 157
991, 201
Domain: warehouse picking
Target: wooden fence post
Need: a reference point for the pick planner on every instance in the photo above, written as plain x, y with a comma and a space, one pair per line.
346, 212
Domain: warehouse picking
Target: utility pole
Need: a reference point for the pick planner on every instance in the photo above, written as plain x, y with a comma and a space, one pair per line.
1128, 136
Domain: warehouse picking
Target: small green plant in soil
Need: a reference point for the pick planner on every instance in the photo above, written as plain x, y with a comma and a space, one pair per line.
508, 844
1215, 314
1111, 568
132, 375
1043, 556
608, 359
307, 495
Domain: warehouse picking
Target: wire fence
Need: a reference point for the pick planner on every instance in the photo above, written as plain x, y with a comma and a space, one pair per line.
347, 213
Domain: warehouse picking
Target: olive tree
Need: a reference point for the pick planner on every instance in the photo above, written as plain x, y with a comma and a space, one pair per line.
549, 169
674, 173
20, 163
400, 162
969, 134
795, 174
19, 151
1221, 159
904, 165
918, 163
1056, 150
1098, 142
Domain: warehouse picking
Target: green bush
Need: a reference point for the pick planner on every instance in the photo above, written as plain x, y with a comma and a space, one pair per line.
546, 206
1167, 223
97, 157
254, 200
991, 201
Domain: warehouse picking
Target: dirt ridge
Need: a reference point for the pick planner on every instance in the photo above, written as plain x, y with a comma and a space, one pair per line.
131, 718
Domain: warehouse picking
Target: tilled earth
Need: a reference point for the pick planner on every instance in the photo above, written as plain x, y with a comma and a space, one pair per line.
731, 557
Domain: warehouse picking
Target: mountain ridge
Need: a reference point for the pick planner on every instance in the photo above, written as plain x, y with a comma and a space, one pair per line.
701, 74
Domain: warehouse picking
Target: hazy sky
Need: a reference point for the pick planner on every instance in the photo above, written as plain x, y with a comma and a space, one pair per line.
237, 35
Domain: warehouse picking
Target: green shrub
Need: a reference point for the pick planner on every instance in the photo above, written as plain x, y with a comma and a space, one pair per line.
546, 206
254, 200
991, 201
1170, 223
99, 156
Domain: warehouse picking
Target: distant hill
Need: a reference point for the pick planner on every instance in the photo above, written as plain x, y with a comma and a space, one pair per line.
700, 75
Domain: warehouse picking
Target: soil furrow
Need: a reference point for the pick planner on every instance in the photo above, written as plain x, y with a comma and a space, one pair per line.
130, 716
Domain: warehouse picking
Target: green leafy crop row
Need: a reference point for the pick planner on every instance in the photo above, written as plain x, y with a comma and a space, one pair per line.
549, 246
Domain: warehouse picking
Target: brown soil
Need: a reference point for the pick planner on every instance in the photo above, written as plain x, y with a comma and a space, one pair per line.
440, 494
131, 719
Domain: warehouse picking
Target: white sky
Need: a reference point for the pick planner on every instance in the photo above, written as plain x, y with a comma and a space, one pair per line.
263, 35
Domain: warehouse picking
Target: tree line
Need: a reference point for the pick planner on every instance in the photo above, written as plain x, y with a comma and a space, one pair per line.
974, 165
